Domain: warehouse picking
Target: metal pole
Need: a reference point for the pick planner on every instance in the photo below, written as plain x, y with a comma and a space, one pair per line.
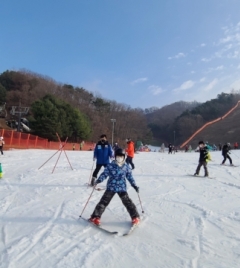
113, 121
112, 131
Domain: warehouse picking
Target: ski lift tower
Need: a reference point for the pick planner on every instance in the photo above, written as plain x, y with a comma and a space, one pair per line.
3, 112
19, 110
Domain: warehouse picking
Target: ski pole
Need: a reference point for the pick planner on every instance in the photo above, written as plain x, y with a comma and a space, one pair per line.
88, 200
234, 154
91, 174
140, 203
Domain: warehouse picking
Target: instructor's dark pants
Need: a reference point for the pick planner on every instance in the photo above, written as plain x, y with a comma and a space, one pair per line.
129, 161
107, 197
226, 156
98, 167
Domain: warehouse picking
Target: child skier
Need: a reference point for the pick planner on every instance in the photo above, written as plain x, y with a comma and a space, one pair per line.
203, 159
117, 171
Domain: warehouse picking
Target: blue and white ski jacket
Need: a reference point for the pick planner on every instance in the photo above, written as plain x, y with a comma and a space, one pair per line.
117, 177
102, 152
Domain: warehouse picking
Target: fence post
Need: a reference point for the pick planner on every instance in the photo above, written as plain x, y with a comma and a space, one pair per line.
19, 138
28, 140
11, 138
36, 141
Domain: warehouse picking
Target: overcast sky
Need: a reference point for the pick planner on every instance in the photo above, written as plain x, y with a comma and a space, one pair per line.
142, 53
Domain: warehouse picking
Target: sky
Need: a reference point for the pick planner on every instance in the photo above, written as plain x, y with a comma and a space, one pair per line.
188, 222
137, 52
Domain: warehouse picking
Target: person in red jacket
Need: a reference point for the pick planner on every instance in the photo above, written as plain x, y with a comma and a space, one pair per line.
235, 145
130, 152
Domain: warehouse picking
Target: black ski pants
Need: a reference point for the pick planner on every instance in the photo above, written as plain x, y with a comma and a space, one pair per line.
204, 164
1, 149
98, 167
226, 156
129, 161
107, 197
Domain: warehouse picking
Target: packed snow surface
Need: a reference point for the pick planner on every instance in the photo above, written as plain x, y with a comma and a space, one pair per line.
187, 221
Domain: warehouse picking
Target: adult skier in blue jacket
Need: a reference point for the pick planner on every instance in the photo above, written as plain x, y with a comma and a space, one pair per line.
117, 172
102, 152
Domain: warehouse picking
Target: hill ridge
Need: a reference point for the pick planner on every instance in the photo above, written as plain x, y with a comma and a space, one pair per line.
209, 124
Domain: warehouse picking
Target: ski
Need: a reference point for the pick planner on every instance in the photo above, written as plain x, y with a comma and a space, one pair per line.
197, 176
133, 227
228, 165
100, 227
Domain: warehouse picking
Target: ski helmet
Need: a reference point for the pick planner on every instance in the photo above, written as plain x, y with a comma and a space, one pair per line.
120, 152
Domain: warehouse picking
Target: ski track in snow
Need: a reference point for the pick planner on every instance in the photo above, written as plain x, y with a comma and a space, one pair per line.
188, 222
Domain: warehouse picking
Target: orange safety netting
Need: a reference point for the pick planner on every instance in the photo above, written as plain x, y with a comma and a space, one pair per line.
19, 140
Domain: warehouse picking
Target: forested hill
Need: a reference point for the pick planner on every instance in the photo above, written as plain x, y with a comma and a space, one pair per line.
79, 114
71, 111
161, 120
191, 119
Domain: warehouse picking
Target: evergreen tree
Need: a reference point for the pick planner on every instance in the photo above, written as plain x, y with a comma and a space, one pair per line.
50, 115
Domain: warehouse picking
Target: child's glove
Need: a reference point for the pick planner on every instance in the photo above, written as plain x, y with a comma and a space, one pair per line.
136, 188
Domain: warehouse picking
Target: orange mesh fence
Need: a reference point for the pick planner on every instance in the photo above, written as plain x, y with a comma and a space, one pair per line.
19, 140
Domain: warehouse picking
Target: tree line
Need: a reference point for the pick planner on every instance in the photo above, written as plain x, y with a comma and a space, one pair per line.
70, 111
175, 123
79, 114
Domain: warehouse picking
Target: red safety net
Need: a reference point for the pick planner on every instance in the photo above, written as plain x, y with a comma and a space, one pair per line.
19, 140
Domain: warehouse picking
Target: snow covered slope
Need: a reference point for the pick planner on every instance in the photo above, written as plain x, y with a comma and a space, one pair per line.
188, 221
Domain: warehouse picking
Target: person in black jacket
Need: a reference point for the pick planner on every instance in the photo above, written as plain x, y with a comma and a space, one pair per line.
203, 159
170, 147
115, 147
225, 153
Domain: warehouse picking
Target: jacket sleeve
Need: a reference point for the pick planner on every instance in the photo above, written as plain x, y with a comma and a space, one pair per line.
95, 152
110, 151
103, 175
130, 178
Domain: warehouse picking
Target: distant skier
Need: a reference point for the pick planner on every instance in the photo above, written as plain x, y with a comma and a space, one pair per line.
115, 147
1, 145
236, 145
203, 159
220, 147
162, 149
170, 147
117, 172
130, 152
225, 153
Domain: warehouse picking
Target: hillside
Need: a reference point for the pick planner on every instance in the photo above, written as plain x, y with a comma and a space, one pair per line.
225, 130
174, 122
161, 119
27, 89
168, 113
